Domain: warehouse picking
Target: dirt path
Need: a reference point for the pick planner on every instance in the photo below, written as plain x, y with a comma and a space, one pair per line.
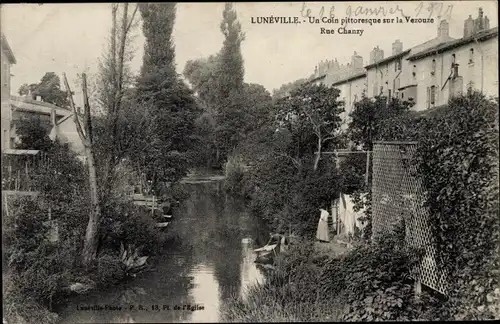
331, 248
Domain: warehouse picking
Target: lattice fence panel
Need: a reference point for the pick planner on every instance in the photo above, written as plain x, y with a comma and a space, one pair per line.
397, 194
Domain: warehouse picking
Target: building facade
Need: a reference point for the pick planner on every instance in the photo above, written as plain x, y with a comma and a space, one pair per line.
427, 74
351, 89
454, 67
59, 121
8, 59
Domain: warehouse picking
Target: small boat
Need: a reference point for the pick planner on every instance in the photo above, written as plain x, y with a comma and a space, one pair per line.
162, 225
267, 253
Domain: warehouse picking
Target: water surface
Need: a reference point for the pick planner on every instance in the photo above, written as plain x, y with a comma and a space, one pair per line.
211, 261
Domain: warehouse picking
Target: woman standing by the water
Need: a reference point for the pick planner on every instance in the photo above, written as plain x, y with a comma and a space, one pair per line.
322, 232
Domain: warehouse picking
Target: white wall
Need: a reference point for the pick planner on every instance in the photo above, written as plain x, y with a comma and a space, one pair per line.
482, 71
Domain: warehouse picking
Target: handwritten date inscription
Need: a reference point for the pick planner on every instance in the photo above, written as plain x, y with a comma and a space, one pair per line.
427, 9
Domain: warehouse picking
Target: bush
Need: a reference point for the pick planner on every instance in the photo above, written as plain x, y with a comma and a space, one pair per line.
40, 268
457, 158
124, 222
110, 269
236, 181
371, 282
21, 309
374, 282
290, 293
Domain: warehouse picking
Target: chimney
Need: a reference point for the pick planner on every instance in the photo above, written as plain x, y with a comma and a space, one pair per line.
376, 55
397, 47
468, 26
444, 29
356, 62
486, 23
480, 17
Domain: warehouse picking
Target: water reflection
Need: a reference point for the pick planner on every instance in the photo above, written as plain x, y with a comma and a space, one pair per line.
212, 260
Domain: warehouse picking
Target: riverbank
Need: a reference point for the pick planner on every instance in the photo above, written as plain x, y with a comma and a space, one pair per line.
367, 282
210, 259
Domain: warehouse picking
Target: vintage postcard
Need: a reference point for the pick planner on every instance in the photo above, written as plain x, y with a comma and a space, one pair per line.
250, 162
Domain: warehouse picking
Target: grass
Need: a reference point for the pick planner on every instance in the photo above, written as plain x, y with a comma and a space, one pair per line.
268, 303
290, 293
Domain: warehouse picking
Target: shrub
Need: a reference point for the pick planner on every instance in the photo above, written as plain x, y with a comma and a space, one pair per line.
110, 269
21, 309
124, 222
290, 293
457, 158
40, 268
235, 172
370, 282
374, 282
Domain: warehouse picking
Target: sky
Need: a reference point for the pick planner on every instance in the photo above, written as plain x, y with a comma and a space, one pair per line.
71, 37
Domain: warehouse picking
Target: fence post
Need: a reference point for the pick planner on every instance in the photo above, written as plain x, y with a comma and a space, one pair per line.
367, 167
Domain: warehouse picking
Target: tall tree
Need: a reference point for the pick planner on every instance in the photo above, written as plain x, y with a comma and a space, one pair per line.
49, 89
313, 110
113, 80
287, 88
84, 129
229, 75
164, 150
369, 114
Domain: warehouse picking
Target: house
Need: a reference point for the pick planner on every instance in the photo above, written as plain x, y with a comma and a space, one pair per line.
351, 90
59, 120
428, 73
384, 75
450, 68
8, 59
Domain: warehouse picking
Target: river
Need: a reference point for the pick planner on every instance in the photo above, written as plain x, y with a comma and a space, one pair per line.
211, 261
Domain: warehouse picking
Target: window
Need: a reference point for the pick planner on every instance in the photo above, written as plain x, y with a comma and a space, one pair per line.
471, 56
414, 73
433, 95
428, 97
402, 95
389, 96
5, 75
453, 59
397, 66
470, 86
454, 69
381, 89
433, 67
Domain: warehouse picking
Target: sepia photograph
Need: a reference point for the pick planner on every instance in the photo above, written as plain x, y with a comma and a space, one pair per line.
251, 162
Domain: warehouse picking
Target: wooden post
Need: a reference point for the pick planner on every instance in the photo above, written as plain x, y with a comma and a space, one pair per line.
28, 182
18, 180
367, 167
10, 175
6, 205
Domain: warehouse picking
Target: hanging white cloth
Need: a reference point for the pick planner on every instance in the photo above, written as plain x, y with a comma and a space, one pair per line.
322, 232
53, 133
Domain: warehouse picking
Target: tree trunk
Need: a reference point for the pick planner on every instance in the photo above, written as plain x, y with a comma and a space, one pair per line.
318, 155
91, 236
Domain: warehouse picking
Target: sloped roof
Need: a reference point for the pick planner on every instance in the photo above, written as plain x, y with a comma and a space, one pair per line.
7, 50
350, 78
387, 59
440, 48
